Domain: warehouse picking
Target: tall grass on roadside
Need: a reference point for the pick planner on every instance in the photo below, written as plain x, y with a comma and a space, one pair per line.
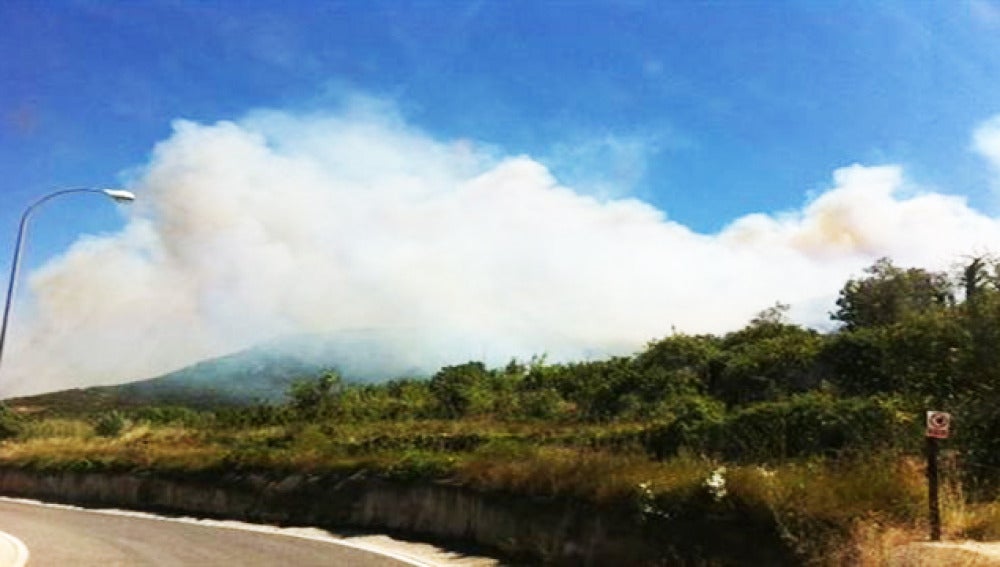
821, 506
850, 509
71, 445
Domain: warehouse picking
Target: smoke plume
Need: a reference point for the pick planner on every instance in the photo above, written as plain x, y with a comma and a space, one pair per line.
288, 224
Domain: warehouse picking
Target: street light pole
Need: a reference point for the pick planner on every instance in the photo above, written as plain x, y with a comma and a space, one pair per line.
118, 195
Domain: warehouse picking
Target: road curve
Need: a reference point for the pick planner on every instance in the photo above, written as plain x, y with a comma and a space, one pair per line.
58, 536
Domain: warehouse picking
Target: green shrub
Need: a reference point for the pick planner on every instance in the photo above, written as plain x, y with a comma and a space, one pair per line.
11, 424
977, 434
170, 415
813, 424
545, 403
110, 424
315, 399
462, 389
693, 421
804, 425
417, 464
259, 415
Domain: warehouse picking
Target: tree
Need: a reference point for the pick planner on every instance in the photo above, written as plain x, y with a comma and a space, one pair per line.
600, 389
855, 362
767, 360
924, 357
890, 295
975, 278
461, 389
695, 354
679, 365
981, 321
777, 314
314, 399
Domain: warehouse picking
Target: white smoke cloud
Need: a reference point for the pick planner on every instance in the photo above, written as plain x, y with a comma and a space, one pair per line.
986, 141
286, 224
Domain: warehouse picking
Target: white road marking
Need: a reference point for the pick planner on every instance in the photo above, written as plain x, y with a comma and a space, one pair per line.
21, 553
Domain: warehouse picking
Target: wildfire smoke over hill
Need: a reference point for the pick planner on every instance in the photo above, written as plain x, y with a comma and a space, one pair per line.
285, 224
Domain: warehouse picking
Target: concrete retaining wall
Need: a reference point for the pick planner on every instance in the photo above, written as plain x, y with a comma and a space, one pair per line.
556, 532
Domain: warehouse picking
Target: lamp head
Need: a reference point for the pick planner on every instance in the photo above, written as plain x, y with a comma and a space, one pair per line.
119, 195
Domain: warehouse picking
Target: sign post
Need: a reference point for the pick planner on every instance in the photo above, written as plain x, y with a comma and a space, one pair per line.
938, 427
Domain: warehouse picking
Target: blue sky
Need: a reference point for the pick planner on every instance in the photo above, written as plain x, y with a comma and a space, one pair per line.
706, 111
724, 108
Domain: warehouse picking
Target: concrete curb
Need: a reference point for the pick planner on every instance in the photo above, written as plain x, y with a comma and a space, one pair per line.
13, 552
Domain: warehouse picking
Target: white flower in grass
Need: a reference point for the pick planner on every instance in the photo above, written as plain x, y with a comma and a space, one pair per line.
646, 497
764, 472
716, 483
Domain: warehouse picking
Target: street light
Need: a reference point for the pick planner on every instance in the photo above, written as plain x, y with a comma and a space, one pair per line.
119, 195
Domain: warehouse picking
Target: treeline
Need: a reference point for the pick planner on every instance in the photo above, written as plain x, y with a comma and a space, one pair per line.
909, 340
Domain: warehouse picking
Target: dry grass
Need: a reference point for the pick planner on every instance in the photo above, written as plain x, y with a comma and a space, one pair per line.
874, 544
978, 521
139, 447
833, 512
57, 427
878, 538
847, 512
594, 475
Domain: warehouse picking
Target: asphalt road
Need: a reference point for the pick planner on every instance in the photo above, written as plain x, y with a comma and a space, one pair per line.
66, 536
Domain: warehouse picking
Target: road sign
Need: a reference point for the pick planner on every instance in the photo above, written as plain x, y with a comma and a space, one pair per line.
938, 424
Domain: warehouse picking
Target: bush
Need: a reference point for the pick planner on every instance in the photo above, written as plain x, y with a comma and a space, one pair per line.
460, 390
259, 415
693, 421
170, 415
11, 424
315, 399
977, 434
110, 424
804, 425
545, 403
813, 424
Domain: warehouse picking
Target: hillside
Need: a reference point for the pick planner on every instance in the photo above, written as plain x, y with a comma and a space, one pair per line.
259, 374
241, 378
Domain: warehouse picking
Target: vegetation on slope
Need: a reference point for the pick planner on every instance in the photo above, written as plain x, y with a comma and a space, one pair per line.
819, 435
